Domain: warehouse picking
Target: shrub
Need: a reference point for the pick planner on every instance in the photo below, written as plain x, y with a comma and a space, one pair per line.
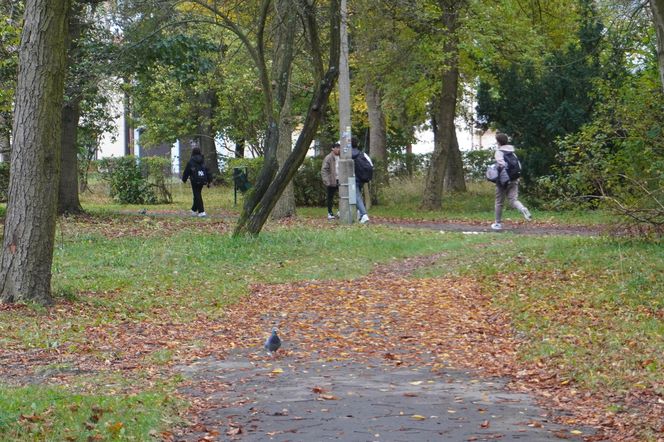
137, 180
308, 185
617, 160
475, 163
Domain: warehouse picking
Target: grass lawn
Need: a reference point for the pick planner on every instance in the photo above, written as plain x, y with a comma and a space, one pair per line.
591, 308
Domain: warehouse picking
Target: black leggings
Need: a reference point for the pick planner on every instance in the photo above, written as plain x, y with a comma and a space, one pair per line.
197, 190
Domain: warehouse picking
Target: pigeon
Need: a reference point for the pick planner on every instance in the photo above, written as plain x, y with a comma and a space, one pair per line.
272, 343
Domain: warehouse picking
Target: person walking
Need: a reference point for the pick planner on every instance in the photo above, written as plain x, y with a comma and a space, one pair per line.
198, 176
363, 174
507, 184
330, 174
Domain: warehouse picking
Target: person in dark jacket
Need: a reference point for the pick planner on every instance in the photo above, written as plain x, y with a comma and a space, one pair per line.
199, 176
359, 183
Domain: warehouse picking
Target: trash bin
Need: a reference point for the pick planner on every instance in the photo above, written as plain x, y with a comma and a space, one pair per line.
240, 181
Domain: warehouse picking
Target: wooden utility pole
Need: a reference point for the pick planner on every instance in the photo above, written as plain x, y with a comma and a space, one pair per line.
347, 199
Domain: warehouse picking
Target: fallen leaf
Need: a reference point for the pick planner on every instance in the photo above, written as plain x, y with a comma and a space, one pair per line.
418, 417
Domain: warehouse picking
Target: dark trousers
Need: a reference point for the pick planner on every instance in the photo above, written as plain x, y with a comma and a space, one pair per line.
331, 191
197, 190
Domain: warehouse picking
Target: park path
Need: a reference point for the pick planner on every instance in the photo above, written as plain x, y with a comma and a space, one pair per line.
381, 358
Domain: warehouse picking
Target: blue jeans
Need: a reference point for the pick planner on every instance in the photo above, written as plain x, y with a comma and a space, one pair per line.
360, 201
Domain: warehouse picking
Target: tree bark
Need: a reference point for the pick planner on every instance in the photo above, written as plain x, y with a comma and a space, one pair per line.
206, 132
68, 199
444, 112
4, 140
377, 125
657, 7
27, 245
454, 176
68, 196
285, 207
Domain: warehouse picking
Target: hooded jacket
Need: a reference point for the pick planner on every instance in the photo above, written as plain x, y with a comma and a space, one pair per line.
195, 162
503, 177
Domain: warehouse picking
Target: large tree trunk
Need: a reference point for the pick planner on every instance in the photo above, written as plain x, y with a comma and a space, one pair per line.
377, 125
207, 103
657, 7
444, 111
68, 200
454, 177
27, 245
377, 135
285, 207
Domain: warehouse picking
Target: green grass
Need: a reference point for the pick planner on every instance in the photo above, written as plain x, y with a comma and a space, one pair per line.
403, 200
38, 413
591, 307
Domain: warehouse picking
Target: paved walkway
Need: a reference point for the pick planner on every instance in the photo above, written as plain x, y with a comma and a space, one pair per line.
283, 399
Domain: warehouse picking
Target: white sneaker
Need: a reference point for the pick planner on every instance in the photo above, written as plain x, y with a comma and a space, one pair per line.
330, 216
193, 213
526, 214
497, 226
364, 219
202, 214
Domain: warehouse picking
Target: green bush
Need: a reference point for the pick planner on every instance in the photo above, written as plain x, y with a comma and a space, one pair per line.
137, 180
475, 163
616, 161
308, 184
4, 181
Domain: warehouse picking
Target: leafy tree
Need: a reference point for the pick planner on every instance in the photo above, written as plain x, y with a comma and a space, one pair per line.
538, 105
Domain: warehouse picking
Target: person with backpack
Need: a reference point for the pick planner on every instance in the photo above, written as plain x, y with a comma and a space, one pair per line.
507, 183
330, 174
363, 174
199, 176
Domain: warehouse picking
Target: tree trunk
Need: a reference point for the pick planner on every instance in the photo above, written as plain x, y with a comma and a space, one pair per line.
444, 130
239, 148
27, 245
4, 139
68, 199
377, 125
657, 7
454, 176
207, 104
269, 187
377, 134
285, 207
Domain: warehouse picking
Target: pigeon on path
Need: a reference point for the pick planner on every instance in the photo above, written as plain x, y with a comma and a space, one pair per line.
273, 343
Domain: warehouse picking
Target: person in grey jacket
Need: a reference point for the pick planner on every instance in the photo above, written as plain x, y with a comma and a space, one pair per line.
504, 186
330, 175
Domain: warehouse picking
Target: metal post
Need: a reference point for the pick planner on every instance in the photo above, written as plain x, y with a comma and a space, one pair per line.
347, 207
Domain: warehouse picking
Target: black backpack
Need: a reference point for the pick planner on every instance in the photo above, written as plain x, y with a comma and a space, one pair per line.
513, 165
198, 174
363, 168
